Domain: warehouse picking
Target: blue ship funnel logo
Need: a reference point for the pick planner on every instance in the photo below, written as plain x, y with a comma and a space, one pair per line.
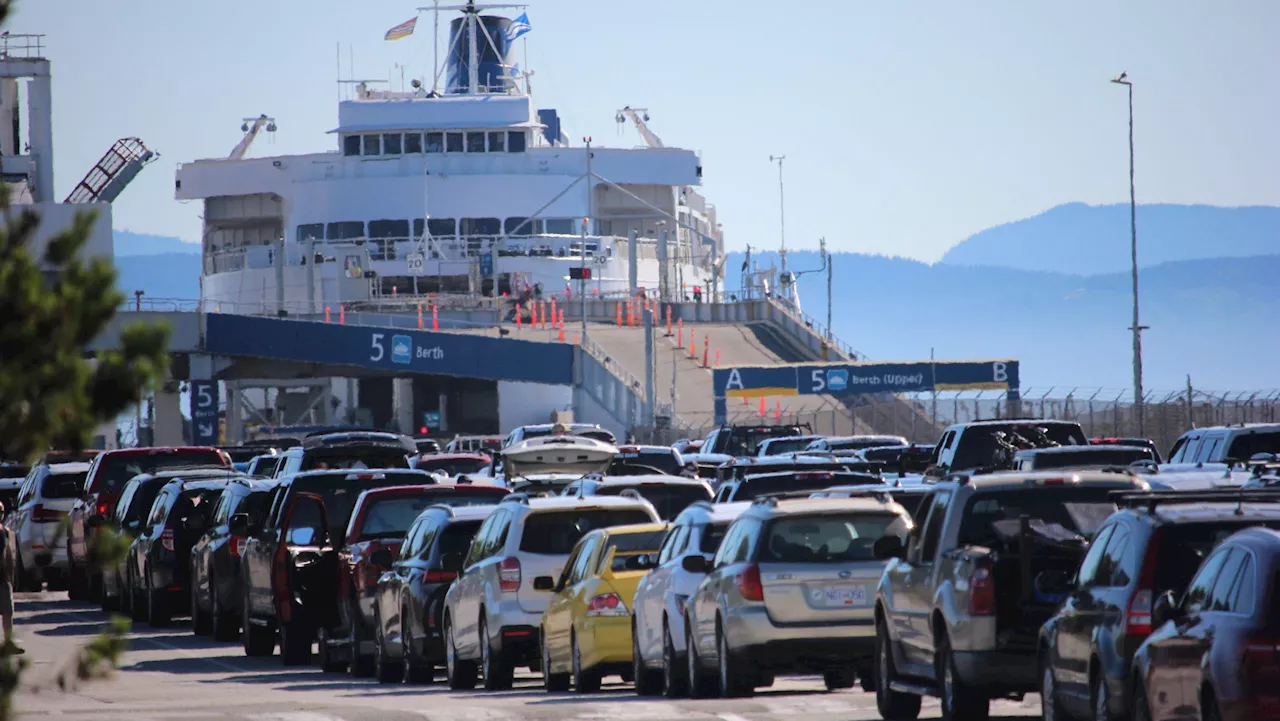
837, 379
401, 349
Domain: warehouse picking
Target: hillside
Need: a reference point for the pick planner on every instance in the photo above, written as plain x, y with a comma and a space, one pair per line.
129, 244
1085, 239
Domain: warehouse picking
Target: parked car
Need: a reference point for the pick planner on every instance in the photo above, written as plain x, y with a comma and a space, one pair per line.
909, 497
686, 446
343, 450
11, 477
410, 596
658, 611
486, 445
493, 610
1224, 444
854, 443
991, 445
586, 629
587, 430
1142, 442
426, 446
289, 568
451, 466
791, 590
745, 440
108, 473
1090, 456
159, 557
379, 523
753, 486
1150, 547
785, 444
46, 495
738, 468
264, 465
215, 558
959, 608
1215, 651
669, 494
646, 461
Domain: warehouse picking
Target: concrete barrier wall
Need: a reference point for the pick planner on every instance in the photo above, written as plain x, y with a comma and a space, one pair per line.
601, 397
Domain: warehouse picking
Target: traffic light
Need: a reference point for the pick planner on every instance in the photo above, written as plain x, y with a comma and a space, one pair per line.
580, 273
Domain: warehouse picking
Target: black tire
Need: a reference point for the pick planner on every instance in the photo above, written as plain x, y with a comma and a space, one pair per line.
359, 665
28, 581
460, 672
552, 682
109, 602
1050, 702
1141, 707
95, 588
258, 641
959, 701
734, 680
648, 683
226, 625
158, 614
1100, 696
701, 684
840, 677
201, 620
77, 582
496, 668
137, 602
1209, 710
675, 680
585, 680
295, 643
329, 663
892, 705
385, 669
415, 670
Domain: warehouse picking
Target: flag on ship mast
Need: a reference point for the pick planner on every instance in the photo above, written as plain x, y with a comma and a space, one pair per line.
518, 27
403, 30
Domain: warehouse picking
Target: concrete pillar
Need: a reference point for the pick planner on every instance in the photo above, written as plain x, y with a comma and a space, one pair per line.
279, 268
167, 405
40, 113
402, 405
234, 423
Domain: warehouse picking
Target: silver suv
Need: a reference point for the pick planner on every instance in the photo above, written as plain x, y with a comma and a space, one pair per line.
791, 590
492, 612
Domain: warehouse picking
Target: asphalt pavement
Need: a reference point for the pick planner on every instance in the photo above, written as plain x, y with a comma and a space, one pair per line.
170, 674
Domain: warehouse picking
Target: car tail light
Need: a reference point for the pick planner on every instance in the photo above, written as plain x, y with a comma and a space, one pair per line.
435, 575
749, 586
40, 514
606, 604
237, 545
1137, 618
1053, 482
166, 539
102, 508
982, 591
509, 575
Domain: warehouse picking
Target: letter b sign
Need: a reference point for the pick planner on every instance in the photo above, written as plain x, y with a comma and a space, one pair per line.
999, 372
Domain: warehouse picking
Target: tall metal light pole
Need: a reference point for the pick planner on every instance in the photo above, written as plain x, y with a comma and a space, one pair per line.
782, 211
1123, 79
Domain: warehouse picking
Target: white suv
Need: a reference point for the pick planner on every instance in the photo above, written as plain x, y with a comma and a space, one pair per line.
657, 623
492, 612
41, 508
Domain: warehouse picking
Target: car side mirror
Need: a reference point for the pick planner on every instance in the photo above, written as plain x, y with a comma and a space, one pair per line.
97, 520
452, 562
381, 558
694, 563
301, 536
239, 524
887, 547
1165, 609
544, 583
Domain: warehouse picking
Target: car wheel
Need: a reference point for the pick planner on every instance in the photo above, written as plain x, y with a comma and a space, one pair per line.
110, 601
840, 677
359, 664
258, 641
648, 683
295, 642
959, 701
225, 624
1101, 698
675, 681
201, 620
137, 602
385, 669
1050, 703
891, 704
1209, 710
552, 682
498, 672
77, 582
329, 662
585, 680
94, 594
157, 606
30, 582
701, 685
1141, 707
461, 673
735, 681
416, 670
126, 595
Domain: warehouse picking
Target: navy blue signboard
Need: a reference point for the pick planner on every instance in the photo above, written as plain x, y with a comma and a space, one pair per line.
204, 413
390, 349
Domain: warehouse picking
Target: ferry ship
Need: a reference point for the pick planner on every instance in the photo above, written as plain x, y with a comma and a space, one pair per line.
459, 189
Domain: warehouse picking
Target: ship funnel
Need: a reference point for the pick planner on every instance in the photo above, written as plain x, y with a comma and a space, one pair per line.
492, 48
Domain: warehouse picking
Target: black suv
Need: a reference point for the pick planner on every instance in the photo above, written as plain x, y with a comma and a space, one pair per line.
215, 558
348, 450
745, 440
1152, 545
790, 482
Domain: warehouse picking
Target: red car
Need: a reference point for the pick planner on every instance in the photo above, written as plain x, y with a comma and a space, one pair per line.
108, 472
379, 521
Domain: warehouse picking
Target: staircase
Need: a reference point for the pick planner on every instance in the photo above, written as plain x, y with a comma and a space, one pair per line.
105, 180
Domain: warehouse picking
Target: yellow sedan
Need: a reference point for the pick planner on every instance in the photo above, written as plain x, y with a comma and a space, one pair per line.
586, 629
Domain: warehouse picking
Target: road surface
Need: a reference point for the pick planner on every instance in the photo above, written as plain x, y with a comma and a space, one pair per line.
170, 674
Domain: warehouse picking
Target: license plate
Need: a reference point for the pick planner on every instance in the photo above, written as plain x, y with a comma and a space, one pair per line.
838, 596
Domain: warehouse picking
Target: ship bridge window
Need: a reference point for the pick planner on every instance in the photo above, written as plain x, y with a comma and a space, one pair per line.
383, 235
373, 145
453, 143
351, 145
519, 226
475, 142
559, 226
345, 230
413, 142
481, 226
515, 141
310, 231
435, 142
439, 227
391, 144
495, 142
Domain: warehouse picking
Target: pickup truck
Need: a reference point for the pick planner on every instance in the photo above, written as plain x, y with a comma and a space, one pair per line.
959, 607
983, 446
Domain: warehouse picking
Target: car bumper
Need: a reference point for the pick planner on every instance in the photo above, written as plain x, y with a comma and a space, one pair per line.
609, 641
999, 671
521, 644
811, 654
751, 627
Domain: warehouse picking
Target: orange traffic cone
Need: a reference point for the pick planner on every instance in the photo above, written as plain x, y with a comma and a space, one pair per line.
419, 316
435, 317
518, 323
342, 314
763, 412
706, 349
326, 314
618, 308
668, 321
777, 409
717, 357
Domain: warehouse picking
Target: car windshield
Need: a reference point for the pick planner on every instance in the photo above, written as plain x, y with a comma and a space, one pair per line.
256, 505
452, 466
555, 532
62, 485
630, 545
746, 441
664, 462
116, 470
1080, 510
669, 499
1092, 456
829, 538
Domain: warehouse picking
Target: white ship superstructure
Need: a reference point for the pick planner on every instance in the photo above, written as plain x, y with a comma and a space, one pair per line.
450, 192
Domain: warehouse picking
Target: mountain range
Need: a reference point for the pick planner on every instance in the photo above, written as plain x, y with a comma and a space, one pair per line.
1052, 291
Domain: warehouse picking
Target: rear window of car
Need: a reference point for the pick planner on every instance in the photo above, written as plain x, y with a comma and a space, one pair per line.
663, 462
555, 532
753, 488
668, 499
452, 466
115, 470
1081, 510
1092, 456
62, 485
829, 538
1183, 546
354, 459
633, 544
391, 517
7, 471
340, 493
857, 444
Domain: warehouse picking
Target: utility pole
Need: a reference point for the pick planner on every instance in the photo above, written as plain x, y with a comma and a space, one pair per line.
782, 211
826, 262
1137, 327
591, 198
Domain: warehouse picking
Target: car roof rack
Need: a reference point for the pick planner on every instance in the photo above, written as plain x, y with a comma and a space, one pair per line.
1151, 499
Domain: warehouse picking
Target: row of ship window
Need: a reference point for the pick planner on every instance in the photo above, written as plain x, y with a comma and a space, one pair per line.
475, 141
383, 234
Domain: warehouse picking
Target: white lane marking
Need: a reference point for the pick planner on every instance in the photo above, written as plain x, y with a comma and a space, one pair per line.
731, 717
293, 716
220, 664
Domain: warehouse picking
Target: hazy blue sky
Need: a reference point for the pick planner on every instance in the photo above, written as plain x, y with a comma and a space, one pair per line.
907, 126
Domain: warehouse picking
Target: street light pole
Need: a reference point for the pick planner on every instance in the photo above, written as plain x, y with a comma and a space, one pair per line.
782, 211
1137, 328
